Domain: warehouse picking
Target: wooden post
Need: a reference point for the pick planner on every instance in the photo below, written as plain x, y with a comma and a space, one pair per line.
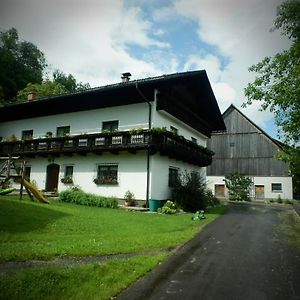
22, 178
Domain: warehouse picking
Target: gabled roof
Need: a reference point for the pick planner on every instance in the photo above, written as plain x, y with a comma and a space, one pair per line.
232, 107
188, 96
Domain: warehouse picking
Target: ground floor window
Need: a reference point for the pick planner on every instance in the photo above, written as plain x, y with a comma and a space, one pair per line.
219, 190
173, 176
68, 175
276, 187
107, 174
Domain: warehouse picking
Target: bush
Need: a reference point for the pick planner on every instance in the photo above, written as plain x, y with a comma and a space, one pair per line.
238, 186
189, 192
211, 200
279, 200
77, 196
169, 208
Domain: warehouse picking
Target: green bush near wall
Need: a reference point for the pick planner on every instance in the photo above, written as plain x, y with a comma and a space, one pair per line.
79, 197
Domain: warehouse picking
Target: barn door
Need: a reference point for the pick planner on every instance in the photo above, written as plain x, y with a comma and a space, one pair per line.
219, 190
259, 191
52, 177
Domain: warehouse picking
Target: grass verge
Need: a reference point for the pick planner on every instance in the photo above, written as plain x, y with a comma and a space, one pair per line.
92, 281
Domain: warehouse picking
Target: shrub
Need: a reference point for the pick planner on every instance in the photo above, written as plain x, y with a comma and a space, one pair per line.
238, 186
169, 208
189, 192
77, 196
287, 201
211, 200
279, 200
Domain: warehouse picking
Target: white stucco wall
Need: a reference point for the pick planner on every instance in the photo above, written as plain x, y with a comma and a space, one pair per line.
287, 185
131, 173
129, 116
159, 177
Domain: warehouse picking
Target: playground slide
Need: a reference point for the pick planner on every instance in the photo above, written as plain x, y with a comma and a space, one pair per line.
36, 193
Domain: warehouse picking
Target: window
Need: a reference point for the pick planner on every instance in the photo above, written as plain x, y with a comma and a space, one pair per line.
68, 176
107, 174
276, 187
27, 135
69, 171
27, 171
174, 130
110, 126
173, 177
62, 131
194, 140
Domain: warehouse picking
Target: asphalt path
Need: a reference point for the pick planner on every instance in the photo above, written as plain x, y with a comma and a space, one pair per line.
244, 254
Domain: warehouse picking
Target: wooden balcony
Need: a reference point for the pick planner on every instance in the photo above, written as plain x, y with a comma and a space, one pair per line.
163, 142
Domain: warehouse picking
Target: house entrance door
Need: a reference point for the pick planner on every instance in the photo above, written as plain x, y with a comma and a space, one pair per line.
52, 177
259, 191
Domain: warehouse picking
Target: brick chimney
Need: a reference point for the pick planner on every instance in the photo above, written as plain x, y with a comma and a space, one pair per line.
31, 95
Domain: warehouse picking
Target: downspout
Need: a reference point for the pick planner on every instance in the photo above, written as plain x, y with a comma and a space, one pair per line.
148, 148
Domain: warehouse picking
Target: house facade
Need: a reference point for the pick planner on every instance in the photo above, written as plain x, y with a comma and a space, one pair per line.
246, 149
135, 135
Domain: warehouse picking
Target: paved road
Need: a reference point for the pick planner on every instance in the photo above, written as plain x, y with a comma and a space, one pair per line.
242, 255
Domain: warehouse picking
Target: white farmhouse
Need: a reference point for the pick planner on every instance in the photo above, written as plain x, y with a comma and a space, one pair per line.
134, 135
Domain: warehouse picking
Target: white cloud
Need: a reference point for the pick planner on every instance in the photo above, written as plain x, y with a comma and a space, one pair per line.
88, 39
240, 31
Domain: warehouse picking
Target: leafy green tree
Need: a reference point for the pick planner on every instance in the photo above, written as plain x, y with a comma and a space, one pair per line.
21, 62
45, 89
69, 82
61, 84
277, 85
238, 186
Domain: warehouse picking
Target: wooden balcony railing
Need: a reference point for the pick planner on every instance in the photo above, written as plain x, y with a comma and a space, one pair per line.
163, 142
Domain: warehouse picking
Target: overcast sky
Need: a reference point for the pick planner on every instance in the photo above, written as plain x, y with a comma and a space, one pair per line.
97, 40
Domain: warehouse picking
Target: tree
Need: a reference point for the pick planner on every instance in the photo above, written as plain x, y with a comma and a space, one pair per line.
21, 62
238, 186
61, 84
45, 89
277, 85
69, 82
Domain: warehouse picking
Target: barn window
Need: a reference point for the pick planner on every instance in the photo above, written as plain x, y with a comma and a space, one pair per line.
276, 187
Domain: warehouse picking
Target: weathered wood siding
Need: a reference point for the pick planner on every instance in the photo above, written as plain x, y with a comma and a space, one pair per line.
244, 149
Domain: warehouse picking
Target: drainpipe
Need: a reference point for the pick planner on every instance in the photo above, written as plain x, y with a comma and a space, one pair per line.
148, 149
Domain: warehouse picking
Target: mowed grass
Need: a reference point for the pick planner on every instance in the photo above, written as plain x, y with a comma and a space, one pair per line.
88, 282
35, 231
38, 231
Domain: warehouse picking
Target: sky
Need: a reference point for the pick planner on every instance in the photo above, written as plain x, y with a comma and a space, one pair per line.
97, 40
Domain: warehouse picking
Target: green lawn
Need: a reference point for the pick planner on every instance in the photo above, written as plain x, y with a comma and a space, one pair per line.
38, 231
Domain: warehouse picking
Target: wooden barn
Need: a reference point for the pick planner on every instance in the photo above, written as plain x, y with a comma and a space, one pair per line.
247, 149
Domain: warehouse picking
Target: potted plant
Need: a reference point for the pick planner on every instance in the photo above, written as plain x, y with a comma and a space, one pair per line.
129, 199
67, 180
